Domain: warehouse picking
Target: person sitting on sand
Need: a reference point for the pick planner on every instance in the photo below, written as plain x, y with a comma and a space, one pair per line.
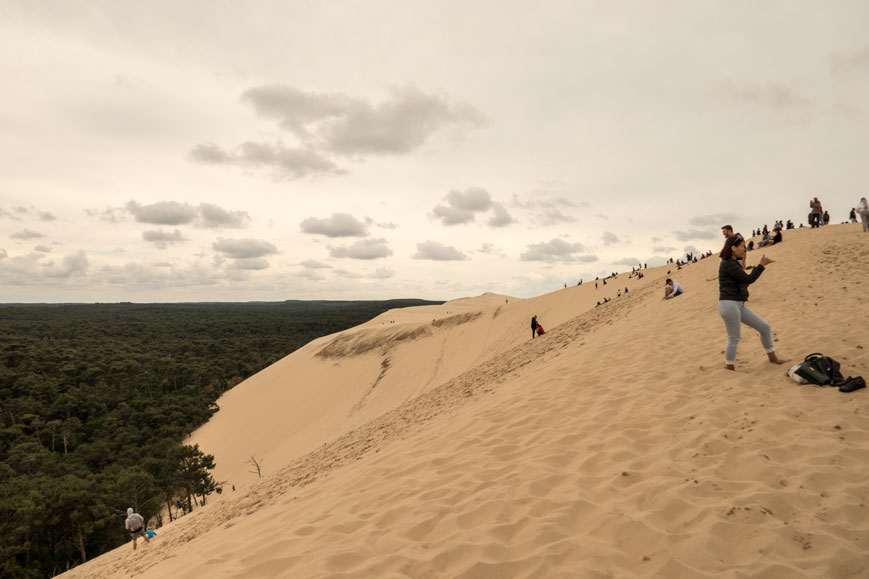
732, 294
672, 289
136, 525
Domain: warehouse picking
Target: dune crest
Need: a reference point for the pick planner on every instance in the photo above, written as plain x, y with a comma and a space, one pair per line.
614, 446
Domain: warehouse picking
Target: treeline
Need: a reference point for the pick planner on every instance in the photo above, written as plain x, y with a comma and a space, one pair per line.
95, 401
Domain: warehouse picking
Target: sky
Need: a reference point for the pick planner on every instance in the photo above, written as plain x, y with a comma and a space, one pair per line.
206, 150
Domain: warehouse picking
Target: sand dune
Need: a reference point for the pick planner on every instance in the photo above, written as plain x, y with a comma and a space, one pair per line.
614, 446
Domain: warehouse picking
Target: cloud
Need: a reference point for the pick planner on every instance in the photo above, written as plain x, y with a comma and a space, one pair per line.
539, 202
853, 62
249, 263
162, 213
339, 225
159, 275
313, 264
347, 274
326, 126
461, 207
692, 249
694, 234
27, 234
212, 216
769, 95
382, 273
112, 214
714, 219
310, 274
42, 249
432, 250
631, 261
285, 162
3, 254
73, 265
501, 217
163, 239
556, 250
243, 248
657, 239
348, 126
489, 249
384, 225
663, 249
601, 216
608, 238
41, 215
363, 249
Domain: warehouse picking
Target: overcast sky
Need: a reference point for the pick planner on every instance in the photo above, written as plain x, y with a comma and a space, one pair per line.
234, 151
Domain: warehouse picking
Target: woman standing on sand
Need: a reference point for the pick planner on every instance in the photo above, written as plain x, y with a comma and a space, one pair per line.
733, 293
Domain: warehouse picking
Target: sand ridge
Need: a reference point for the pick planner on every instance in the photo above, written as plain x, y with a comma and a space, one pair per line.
614, 446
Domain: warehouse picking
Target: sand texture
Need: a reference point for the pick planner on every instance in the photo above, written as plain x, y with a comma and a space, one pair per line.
443, 442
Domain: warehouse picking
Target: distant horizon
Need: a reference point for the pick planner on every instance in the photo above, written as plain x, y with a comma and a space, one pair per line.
422, 152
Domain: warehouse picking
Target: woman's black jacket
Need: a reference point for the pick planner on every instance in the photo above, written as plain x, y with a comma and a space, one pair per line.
733, 282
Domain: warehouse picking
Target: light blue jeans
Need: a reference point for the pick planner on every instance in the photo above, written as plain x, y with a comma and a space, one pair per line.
735, 314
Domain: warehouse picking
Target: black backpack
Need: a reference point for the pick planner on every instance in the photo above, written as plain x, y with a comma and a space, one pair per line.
819, 369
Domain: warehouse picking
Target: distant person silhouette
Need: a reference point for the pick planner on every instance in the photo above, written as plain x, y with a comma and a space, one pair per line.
534, 326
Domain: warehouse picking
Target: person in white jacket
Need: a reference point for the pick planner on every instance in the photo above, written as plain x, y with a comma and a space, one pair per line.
136, 525
863, 210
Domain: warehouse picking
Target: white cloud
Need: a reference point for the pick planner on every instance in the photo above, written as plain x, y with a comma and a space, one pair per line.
435, 251
284, 162
608, 238
714, 219
339, 225
556, 250
212, 216
163, 239
249, 263
694, 234
663, 249
314, 264
162, 213
462, 207
73, 265
631, 261
347, 274
344, 125
310, 274
501, 216
243, 248
382, 273
363, 249
27, 234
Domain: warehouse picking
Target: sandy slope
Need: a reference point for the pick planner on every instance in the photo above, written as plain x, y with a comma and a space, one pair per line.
614, 446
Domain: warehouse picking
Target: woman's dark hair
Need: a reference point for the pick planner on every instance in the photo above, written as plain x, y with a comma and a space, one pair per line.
732, 241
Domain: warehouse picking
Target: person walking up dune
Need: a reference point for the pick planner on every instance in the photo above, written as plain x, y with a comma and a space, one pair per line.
136, 525
733, 293
863, 210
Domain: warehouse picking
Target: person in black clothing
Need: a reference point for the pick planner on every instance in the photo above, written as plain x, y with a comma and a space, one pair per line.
534, 325
733, 285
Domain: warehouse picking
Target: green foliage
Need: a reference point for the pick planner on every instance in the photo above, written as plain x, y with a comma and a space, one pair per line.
95, 401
